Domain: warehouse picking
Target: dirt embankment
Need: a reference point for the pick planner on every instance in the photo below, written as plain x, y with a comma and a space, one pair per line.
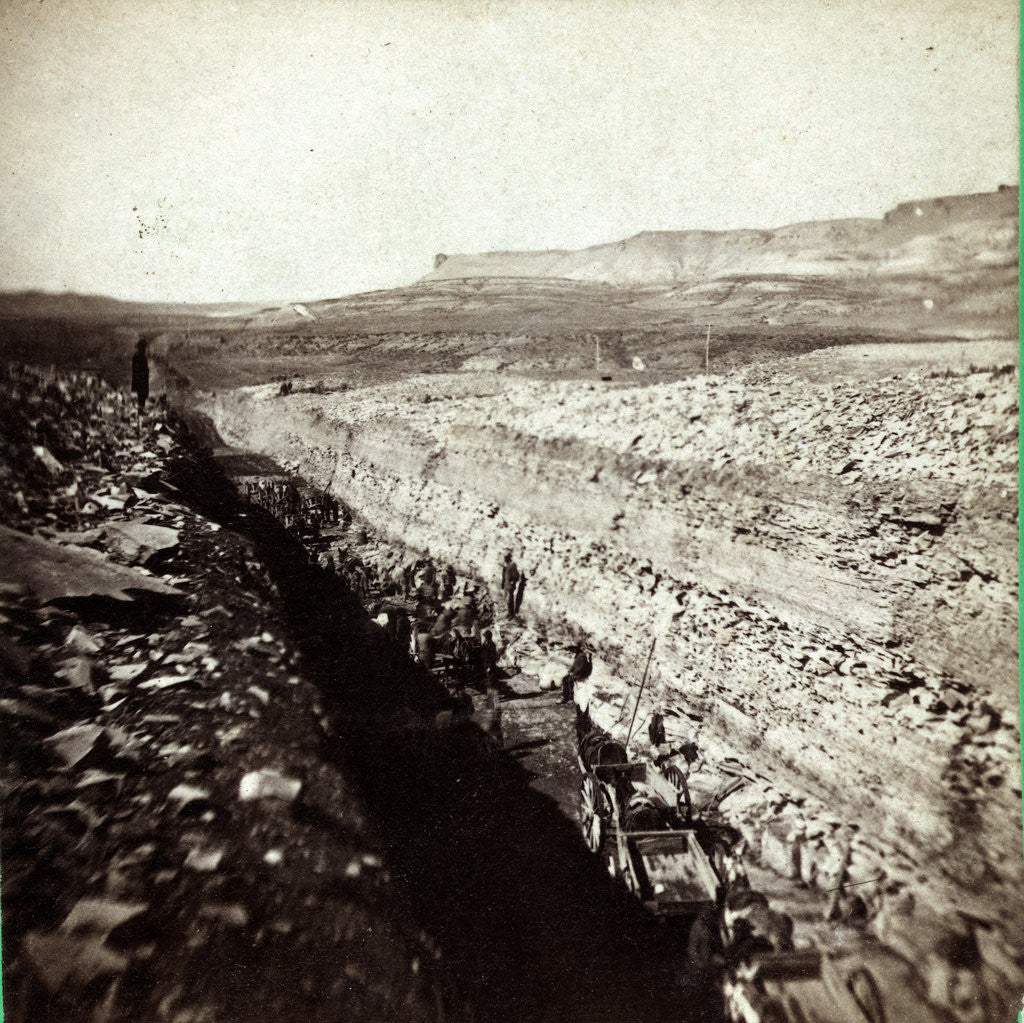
829, 570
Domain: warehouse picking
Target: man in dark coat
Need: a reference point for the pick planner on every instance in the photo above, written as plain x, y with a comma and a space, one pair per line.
140, 373
510, 582
489, 656
520, 588
656, 728
403, 633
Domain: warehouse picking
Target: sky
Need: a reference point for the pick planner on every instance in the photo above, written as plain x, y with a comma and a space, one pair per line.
291, 150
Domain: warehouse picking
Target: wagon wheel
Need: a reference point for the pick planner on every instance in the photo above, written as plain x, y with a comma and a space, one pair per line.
677, 776
594, 808
673, 773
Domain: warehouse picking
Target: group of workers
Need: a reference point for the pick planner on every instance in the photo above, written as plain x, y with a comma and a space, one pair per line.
424, 609
456, 635
419, 606
303, 511
448, 625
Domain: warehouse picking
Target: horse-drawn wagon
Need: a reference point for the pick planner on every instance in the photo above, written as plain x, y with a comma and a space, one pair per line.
637, 817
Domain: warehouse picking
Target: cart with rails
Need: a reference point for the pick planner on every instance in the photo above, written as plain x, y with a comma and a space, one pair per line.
681, 867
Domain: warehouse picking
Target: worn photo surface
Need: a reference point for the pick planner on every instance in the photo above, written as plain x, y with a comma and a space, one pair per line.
509, 512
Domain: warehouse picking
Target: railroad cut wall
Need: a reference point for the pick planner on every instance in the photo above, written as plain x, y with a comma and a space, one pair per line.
829, 570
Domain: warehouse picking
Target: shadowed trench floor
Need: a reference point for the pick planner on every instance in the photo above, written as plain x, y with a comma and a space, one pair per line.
527, 921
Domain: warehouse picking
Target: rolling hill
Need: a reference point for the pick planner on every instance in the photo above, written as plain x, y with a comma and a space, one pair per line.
929, 267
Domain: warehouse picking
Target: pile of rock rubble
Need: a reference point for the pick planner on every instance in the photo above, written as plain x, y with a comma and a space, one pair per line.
177, 843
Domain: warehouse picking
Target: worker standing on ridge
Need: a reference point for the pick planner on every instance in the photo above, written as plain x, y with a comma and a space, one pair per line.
521, 586
510, 582
140, 374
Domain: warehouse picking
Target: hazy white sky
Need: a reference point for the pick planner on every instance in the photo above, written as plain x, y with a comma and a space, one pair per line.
209, 150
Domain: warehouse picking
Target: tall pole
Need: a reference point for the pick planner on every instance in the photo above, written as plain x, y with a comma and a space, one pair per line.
643, 682
597, 354
707, 352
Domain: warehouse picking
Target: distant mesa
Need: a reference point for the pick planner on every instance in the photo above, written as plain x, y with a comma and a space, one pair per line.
952, 233
949, 209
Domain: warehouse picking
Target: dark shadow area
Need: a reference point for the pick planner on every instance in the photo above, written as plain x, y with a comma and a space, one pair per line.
508, 691
525, 747
529, 924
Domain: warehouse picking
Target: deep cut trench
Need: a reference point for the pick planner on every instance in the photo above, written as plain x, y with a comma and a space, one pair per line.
528, 925
843, 626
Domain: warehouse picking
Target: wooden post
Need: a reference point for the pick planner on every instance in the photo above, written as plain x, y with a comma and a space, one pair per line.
643, 682
597, 354
707, 352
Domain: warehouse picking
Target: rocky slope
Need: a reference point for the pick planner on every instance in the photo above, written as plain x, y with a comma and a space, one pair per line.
226, 796
828, 568
182, 839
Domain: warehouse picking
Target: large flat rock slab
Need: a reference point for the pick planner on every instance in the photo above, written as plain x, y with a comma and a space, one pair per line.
53, 572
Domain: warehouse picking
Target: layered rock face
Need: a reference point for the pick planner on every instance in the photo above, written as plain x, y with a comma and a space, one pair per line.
828, 569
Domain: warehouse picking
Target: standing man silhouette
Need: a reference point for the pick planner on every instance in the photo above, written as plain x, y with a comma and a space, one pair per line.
510, 582
140, 373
